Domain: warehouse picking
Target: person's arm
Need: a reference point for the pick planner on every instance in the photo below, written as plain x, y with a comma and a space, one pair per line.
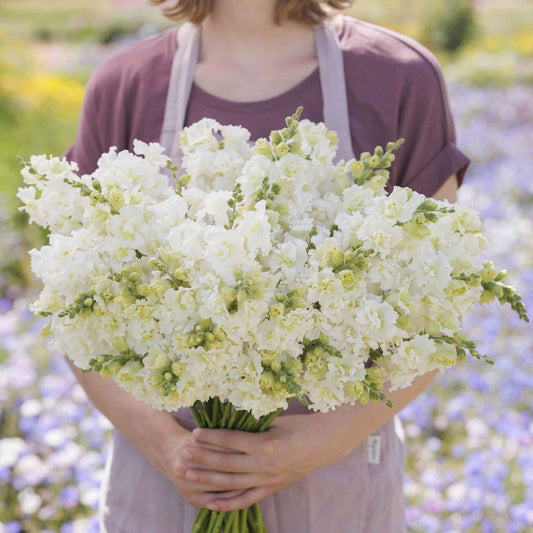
295, 445
156, 434
152, 432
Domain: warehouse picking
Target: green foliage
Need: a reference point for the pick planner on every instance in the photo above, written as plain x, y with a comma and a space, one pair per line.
449, 24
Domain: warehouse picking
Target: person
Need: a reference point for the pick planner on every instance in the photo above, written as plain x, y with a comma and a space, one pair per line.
252, 63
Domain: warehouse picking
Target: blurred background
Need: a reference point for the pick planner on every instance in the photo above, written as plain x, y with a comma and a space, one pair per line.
470, 437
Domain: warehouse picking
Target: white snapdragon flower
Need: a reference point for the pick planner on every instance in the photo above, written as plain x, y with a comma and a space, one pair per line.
181, 296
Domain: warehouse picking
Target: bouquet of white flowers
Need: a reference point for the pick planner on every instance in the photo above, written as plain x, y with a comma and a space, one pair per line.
266, 273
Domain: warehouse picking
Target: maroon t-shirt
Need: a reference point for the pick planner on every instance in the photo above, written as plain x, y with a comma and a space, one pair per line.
395, 89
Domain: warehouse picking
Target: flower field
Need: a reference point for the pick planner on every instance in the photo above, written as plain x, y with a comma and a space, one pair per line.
469, 436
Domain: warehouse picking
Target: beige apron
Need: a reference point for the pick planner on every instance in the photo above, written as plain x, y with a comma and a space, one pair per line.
362, 493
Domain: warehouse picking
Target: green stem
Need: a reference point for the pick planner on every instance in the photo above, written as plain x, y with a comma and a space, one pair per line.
201, 519
244, 521
243, 421
197, 417
218, 523
228, 528
259, 518
232, 419
225, 414
215, 411
212, 520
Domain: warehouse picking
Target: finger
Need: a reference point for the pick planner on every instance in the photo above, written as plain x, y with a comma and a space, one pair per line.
213, 447
220, 461
202, 498
242, 441
242, 501
225, 481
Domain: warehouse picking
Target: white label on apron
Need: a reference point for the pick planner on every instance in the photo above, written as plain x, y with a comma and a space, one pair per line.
374, 449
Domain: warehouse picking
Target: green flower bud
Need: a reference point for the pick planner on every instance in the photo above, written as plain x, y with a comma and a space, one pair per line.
88, 302
120, 344
276, 310
336, 257
486, 297
266, 357
275, 137
283, 209
357, 169
364, 397
159, 287
281, 149
298, 302
162, 361
105, 372
46, 331
257, 290
143, 289
374, 374
180, 273
347, 277
349, 256
155, 381
177, 369
488, 273
113, 367
403, 322
276, 365
168, 376
267, 380
318, 351
502, 274
299, 290
296, 148
374, 161
332, 137
262, 147
134, 276
155, 263
228, 294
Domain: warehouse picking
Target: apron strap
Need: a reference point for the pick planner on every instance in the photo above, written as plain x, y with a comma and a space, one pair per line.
179, 89
332, 81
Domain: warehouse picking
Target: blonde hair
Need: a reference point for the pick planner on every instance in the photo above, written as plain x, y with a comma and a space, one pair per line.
305, 11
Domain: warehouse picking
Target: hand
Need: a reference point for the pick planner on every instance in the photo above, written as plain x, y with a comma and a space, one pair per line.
173, 464
294, 446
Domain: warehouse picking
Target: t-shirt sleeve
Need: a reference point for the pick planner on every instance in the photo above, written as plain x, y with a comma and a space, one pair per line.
429, 155
90, 142
103, 120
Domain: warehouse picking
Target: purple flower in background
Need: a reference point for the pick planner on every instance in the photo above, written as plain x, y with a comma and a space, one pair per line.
69, 496
12, 527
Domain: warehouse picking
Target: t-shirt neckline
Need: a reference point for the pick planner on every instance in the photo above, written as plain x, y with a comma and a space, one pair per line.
233, 106
266, 104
